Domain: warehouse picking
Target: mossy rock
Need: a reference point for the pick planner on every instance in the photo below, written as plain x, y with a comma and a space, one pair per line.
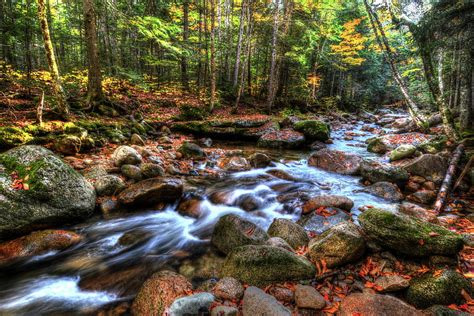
445, 289
13, 136
313, 129
54, 193
377, 145
402, 152
261, 265
408, 235
433, 146
292, 233
193, 112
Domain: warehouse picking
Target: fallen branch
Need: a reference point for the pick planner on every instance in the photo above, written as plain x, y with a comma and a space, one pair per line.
448, 179
463, 173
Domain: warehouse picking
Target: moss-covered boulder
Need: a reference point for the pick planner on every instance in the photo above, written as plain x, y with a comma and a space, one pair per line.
289, 231
13, 136
443, 289
261, 265
337, 246
52, 192
402, 152
232, 231
313, 129
433, 146
408, 235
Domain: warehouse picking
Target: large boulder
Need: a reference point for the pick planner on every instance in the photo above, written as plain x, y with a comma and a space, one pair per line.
336, 161
282, 139
337, 246
386, 190
37, 243
313, 129
151, 191
289, 231
257, 302
443, 289
159, 292
232, 231
261, 265
37, 190
431, 167
126, 155
409, 235
375, 304
338, 201
376, 171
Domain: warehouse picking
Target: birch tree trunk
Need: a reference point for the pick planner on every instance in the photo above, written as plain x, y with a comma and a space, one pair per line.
53, 66
94, 86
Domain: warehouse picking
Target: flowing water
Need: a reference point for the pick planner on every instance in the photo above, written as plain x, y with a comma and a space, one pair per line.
49, 284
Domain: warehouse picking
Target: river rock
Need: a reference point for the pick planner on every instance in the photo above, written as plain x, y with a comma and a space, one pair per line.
234, 163
409, 235
191, 150
191, 305
259, 160
131, 172
444, 289
56, 193
418, 212
68, 145
37, 243
386, 190
151, 170
137, 140
378, 145
279, 242
203, 267
262, 265
288, 139
108, 185
257, 302
318, 224
233, 231
126, 155
229, 289
376, 171
289, 231
392, 283
375, 304
337, 201
224, 310
282, 293
341, 244
151, 191
307, 297
440, 310
336, 161
190, 206
159, 292
431, 167
313, 129
423, 197
402, 152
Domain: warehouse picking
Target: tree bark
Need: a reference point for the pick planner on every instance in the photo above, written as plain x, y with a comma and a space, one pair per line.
213, 56
184, 58
53, 66
448, 180
239, 45
272, 73
94, 85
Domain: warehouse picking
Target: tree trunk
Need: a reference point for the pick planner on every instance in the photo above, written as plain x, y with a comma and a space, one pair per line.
184, 58
272, 73
213, 56
467, 106
94, 85
382, 41
53, 66
239, 45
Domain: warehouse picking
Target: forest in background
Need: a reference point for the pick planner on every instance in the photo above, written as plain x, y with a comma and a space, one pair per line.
290, 55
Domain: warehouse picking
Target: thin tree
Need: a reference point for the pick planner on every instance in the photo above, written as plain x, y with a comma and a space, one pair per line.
239, 44
94, 85
213, 56
382, 41
184, 58
273, 62
53, 66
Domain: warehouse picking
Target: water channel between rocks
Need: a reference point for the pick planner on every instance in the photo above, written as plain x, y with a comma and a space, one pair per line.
49, 284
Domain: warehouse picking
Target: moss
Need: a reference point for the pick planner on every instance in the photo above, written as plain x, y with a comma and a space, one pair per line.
192, 112
13, 136
313, 129
26, 172
433, 146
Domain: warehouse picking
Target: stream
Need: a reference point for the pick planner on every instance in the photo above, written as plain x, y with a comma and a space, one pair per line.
49, 284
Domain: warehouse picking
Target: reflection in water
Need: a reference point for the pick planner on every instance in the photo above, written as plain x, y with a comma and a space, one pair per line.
49, 283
